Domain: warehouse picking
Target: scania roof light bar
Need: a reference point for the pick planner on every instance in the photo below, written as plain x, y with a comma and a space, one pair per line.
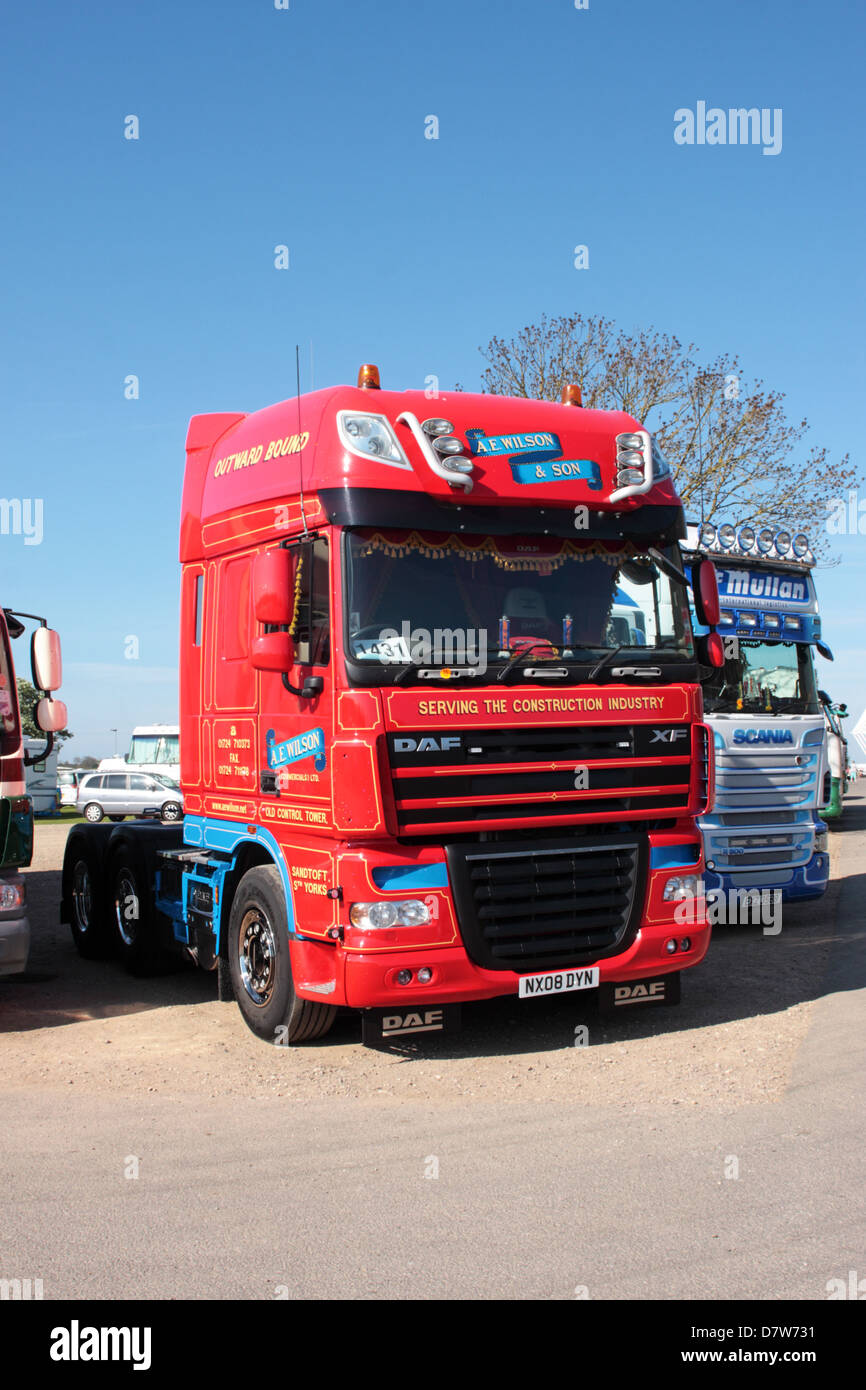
762, 543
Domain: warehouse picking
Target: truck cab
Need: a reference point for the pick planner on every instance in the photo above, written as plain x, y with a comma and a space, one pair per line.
441, 729
763, 707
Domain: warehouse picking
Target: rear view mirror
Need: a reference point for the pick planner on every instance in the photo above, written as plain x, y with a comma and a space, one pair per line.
275, 651
45, 659
51, 716
705, 585
824, 697
711, 650
273, 589
824, 650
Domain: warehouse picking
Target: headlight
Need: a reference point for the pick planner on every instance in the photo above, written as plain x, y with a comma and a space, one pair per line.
12, 894
370, 436
683, 886
407, 912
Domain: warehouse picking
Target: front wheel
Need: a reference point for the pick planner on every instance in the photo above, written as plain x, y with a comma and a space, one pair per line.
260, 964
171, 812
93, 812
117, 818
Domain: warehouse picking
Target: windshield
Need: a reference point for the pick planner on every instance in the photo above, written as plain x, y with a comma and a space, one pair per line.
154, 748
764, 678
430, 599
10, 729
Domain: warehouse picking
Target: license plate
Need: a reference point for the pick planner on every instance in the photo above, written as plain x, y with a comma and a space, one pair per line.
557, 982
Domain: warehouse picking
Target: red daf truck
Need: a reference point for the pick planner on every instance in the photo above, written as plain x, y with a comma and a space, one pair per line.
440, 726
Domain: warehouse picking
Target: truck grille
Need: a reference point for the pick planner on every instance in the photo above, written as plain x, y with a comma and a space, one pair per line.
484, 779
771, 780
548, 904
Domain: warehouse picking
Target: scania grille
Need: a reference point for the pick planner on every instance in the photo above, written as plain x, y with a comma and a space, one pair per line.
549, 904
488, 778
759, 780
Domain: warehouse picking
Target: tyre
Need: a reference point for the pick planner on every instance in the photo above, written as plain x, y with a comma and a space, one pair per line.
85, 897
260, 964
136, 925
117, 818
93, 812
172, 811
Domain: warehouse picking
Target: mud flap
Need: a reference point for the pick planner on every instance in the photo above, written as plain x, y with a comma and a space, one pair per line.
639, 994
381, 1026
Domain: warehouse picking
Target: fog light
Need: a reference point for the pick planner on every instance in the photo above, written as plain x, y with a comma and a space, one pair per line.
404, 977
670, 947
457, 465
447, 444
686, 943
425, 975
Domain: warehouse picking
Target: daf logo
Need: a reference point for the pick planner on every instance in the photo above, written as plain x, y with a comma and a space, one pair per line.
668, 735
430, 1021
640, 993
427, 744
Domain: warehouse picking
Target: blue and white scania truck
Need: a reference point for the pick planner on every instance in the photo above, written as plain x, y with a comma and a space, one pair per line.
772, 774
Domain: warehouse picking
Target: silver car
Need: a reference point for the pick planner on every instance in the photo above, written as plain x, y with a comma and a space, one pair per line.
119, 794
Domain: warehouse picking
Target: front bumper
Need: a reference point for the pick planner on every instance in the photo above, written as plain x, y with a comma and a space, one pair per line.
14, 944
795, 884
370, 979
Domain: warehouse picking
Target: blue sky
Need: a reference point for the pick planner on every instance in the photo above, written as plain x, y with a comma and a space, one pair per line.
305, 127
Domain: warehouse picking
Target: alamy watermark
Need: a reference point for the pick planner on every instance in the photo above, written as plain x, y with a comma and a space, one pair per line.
735, 126
22, 516
439, 646
734, 907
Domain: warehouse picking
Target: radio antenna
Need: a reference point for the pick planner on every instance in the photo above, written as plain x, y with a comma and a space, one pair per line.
300, 450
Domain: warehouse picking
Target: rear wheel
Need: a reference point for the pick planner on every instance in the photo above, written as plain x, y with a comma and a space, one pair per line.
86, 900
260, 964
136, 923
93, 812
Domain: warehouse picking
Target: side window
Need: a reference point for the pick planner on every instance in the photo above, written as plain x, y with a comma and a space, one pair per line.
312, 626
199, 604
115, 782
92, 784
139, 783
320, 606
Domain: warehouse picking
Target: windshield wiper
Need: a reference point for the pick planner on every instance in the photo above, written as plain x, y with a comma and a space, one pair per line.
606, 660
518, 656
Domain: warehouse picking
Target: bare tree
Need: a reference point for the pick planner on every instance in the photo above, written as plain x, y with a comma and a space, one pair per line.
735, 453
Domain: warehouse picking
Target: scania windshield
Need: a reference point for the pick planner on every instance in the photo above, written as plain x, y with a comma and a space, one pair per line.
764, 678
423, 603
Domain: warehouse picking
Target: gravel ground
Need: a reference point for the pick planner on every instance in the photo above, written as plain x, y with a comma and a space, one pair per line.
731, 1043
